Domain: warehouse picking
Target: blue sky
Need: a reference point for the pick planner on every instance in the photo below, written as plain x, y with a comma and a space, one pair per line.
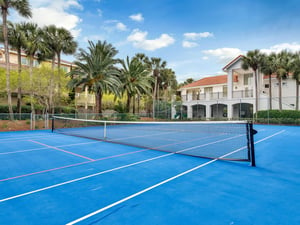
197, 38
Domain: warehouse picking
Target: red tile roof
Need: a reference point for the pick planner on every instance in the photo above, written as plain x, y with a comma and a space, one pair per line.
221, 79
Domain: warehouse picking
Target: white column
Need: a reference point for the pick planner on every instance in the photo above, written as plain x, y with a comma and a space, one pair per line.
207, 111
229, 84
189, 112
229, 111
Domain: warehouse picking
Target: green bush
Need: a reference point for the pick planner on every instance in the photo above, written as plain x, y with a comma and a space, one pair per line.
64, 110
279, 117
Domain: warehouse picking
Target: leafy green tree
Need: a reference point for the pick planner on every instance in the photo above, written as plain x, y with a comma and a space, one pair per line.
253, 60
95, 69
135, 79
23, 8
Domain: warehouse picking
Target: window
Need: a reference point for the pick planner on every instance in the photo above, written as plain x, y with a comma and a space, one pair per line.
24, 61
248, 78
64, 68
35, 63
267, 85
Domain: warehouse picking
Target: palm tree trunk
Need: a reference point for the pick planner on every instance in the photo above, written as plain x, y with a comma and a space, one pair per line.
280, 93
128, 102
59, 86
19, 103
31, 84
7, 63
97, 102
270, 92
256, 91
133, 105
51, 105
154, 97
138, 104
297, 94
100, 102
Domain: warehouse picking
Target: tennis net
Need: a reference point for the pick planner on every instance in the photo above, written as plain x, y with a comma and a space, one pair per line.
225, 140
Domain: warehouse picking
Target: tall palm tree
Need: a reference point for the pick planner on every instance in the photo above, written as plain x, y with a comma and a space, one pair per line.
155, 65
23, 8
135, 79
167, 81
296, 76
285, 67
269, 68
95, 69
17, 41
33, 46
253, 60
58, 40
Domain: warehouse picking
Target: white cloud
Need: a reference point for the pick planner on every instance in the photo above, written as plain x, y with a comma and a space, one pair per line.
137, 17
121, 26
138, 38
100, 13
224, 54
112, 25
291, 47
205, 58
196, 36
189, 44
93, 38
49, 12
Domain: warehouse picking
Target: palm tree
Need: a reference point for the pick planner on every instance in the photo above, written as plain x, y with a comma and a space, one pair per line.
285, 67
33, 46
17, 41
58, 41
95, 69
253, 60
155, 65
23, 8
269, 68
135, 79
167, 81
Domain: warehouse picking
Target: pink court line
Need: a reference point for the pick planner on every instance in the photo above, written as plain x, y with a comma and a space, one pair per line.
72, 165
59, 149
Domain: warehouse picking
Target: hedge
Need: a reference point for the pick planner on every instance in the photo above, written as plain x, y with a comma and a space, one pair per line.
279, 117
38, 108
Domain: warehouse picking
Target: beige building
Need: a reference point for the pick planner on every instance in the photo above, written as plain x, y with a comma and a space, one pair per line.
82, 98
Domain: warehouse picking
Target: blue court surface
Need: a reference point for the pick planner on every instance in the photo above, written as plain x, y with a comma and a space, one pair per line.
50, 178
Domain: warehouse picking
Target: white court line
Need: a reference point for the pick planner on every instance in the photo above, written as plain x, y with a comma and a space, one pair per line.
161, 183
36, 149
110, 170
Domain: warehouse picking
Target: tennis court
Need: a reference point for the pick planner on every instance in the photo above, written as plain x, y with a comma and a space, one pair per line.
53, 178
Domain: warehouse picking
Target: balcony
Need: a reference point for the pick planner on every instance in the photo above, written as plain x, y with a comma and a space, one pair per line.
243, 94
217, 96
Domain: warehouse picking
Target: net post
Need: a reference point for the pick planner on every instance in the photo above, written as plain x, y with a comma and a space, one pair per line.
252, 152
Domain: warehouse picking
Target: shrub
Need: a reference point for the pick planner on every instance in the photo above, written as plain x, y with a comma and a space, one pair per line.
279, 117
